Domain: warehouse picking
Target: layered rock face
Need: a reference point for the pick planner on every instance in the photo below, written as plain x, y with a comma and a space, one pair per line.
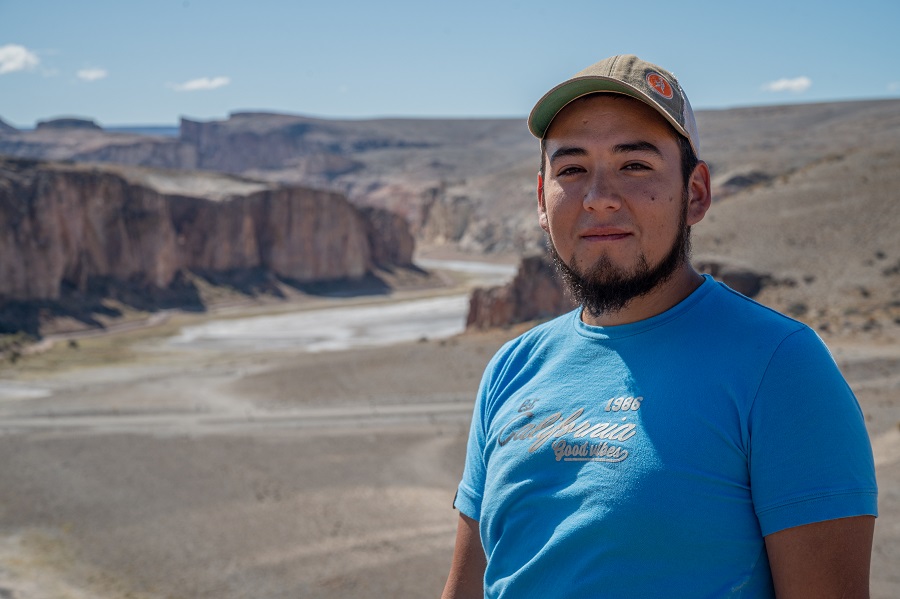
64, 226
534, 293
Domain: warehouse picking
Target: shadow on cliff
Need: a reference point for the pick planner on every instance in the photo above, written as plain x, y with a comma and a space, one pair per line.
260, 282
104, 300
370, 284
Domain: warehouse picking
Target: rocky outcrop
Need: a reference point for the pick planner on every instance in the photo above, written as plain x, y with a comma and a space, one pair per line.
534, 293
67, 227
537, 293
390, 239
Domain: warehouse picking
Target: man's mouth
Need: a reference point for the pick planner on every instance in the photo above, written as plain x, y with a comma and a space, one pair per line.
605, 234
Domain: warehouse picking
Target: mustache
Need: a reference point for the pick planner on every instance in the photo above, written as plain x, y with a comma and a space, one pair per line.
606, 288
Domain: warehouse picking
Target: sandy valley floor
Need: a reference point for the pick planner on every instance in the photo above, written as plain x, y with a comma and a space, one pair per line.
134, 469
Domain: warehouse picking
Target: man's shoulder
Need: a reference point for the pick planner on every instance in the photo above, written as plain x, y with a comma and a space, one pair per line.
724, 323
560, 326
732, 308
540, 336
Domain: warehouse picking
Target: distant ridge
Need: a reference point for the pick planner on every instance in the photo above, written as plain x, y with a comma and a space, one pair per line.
6, 128
69, 123
152, 130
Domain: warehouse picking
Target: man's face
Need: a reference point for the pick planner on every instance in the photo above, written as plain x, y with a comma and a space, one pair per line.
613, 200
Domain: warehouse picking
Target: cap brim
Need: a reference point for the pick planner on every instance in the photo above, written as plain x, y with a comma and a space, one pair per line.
557, 98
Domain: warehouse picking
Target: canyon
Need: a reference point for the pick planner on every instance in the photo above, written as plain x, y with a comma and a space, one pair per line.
261, 469
802, 216
72, 232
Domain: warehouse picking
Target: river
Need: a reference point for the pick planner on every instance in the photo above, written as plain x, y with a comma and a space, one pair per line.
346, 327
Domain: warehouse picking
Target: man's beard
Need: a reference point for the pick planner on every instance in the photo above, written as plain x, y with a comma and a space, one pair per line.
606, 288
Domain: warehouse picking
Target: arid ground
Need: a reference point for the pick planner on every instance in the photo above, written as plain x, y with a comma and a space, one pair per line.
135, 468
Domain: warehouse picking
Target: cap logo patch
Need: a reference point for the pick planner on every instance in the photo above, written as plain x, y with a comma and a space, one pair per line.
659, 84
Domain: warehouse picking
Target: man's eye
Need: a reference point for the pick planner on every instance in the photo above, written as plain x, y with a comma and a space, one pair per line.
636, 166
570, 170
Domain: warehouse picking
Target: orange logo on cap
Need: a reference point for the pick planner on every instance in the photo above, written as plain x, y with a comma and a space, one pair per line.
659, 84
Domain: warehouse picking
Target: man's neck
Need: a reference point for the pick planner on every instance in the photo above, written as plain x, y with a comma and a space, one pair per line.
669, 293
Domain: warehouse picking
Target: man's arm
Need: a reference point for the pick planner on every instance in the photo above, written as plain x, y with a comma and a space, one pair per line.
466, 580
822, 560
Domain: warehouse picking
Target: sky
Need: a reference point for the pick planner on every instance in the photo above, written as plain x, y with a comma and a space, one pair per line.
151, 62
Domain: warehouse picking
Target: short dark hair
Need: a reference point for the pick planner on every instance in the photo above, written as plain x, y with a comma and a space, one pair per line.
689, 159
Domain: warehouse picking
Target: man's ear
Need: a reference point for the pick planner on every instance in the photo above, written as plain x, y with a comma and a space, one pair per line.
542, 208
699, 194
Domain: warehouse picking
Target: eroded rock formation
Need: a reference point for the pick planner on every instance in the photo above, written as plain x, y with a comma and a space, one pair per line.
534, 293
67, 226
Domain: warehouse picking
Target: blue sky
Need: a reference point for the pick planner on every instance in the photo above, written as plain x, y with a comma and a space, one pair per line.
151, 62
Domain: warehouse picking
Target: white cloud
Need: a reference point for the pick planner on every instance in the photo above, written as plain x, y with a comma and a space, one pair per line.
894, 86
201, 84
92, 74
795, 86
17, 58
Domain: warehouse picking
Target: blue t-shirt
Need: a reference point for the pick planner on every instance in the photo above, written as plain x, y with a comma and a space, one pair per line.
650, 459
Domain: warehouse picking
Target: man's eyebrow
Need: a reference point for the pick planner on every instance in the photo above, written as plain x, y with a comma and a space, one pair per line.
567, 151
638, 146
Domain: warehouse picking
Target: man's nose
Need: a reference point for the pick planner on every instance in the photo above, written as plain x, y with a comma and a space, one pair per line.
602, 193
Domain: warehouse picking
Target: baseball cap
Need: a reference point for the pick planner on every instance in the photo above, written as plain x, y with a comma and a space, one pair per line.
623, 74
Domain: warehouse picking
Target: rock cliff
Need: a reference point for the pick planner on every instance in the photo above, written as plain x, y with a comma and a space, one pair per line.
534, 293
70, 227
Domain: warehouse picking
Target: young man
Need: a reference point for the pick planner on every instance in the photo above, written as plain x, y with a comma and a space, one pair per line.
669, 438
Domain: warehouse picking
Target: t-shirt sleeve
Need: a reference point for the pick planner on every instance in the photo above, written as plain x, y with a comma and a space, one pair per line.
470, 492
810, 455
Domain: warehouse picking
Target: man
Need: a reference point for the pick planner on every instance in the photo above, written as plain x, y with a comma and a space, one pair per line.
670, 438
